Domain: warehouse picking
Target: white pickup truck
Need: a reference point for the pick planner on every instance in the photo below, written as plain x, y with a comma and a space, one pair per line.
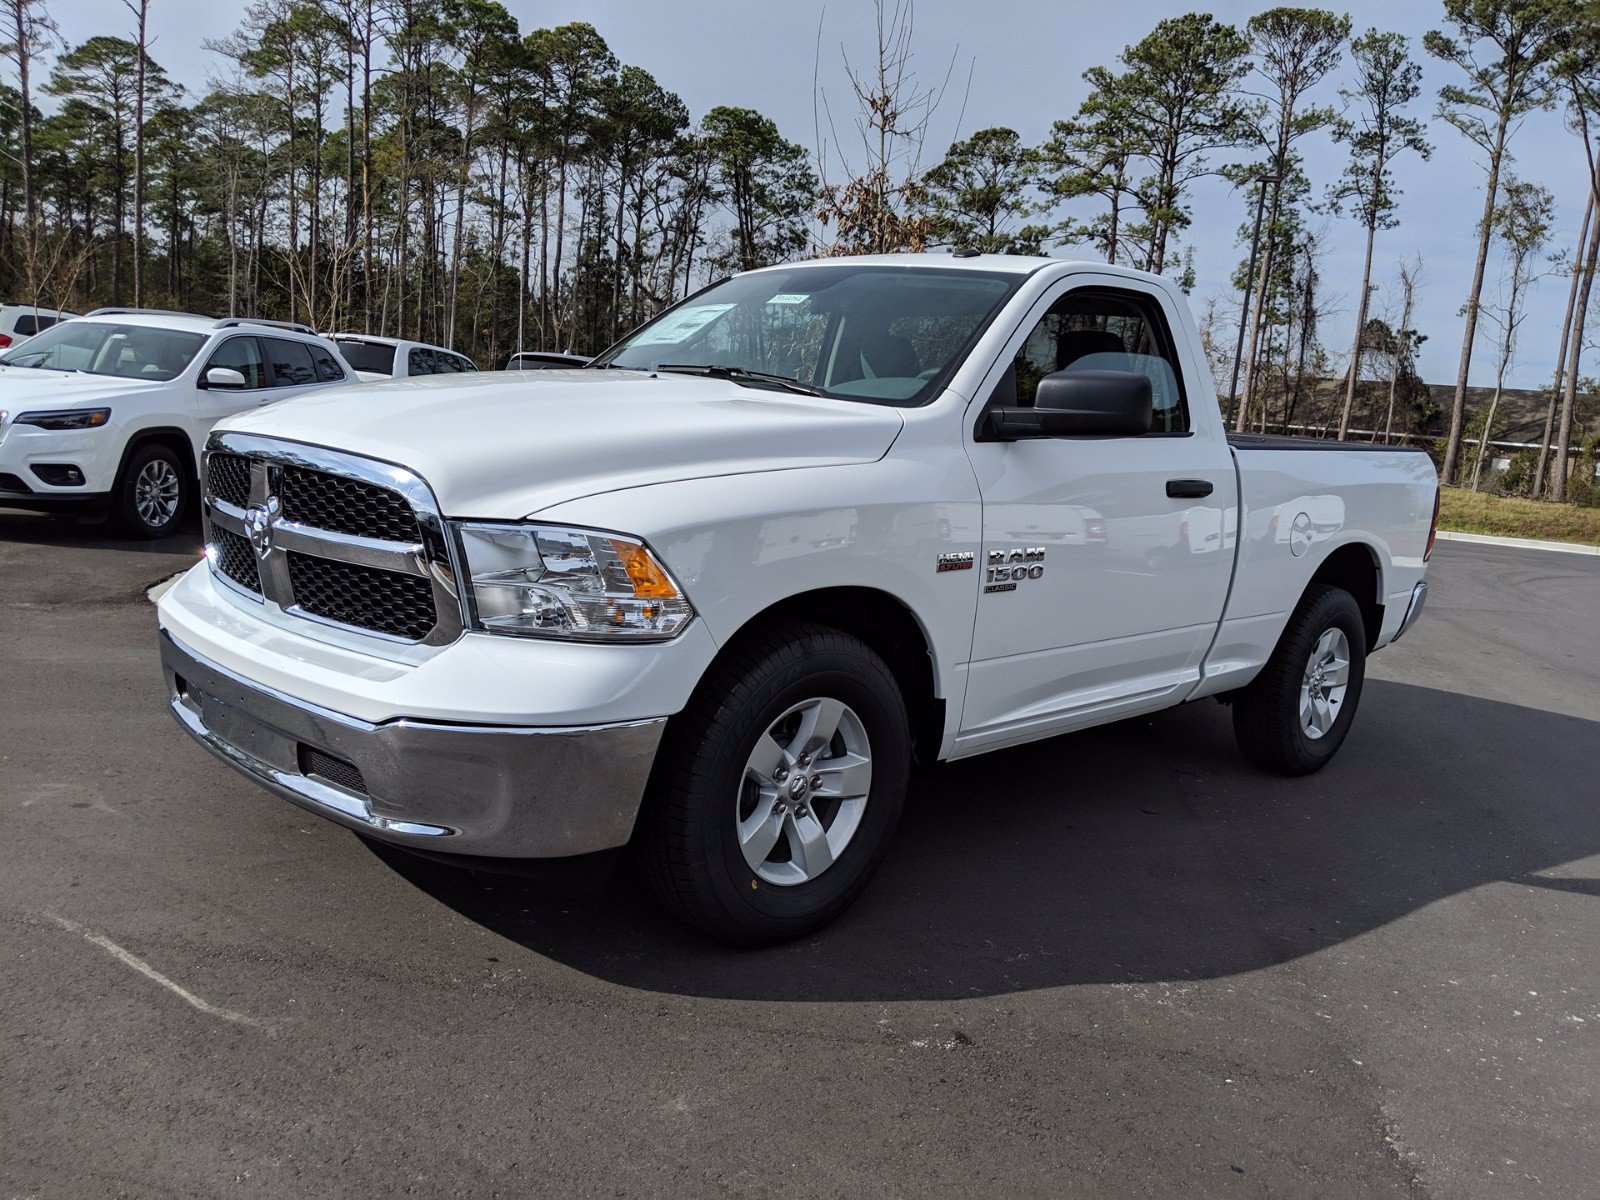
714, 594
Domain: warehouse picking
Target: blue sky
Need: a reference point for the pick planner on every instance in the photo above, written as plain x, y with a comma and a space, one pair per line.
1026, 60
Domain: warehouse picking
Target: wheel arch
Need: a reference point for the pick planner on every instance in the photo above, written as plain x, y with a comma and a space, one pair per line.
173, 437
1355, 568
885, 623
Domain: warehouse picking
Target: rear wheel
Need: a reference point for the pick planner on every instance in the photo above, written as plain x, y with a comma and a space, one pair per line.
1294, 717
778, 787
152, 493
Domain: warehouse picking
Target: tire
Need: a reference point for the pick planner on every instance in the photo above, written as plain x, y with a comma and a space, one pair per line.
1273, 727
705, 796
153, 493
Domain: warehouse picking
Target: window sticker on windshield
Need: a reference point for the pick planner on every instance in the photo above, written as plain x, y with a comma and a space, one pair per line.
681, 325
790, 298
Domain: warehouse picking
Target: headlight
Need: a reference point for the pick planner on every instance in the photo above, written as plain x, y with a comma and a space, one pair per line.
544, 581
70, 418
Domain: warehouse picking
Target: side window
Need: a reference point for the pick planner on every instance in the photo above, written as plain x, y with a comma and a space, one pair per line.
1096, 329
291, 363
242, 354
327, 366
446, 363
421, 362
28, 324
464, 364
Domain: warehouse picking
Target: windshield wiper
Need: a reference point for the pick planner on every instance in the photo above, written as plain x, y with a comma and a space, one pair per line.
742, 376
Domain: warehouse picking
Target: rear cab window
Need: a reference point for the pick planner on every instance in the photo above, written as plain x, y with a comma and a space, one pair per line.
372, 357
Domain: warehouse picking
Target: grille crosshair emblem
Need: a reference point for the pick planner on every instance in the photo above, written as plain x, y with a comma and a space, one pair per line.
383, 569
258, 519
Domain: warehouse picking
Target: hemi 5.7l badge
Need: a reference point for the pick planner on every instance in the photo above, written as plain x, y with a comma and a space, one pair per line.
960, 561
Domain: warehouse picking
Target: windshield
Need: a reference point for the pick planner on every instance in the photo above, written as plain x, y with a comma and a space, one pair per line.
100, 348
367, 356
880, 334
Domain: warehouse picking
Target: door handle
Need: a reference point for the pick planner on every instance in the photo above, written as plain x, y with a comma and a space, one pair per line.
1188, 489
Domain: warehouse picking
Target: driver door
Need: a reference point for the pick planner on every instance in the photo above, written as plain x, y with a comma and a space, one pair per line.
1102, 574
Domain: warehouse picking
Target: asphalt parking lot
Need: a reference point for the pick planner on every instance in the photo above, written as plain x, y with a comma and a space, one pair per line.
1112, 963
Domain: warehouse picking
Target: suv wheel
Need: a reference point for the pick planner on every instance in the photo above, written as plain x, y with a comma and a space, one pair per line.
152, 494
1294, 716
779, 787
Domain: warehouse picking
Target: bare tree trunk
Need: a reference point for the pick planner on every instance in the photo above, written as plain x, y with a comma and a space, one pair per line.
1458, 405
449, 341
1561, 351
21, 22
366, 170
1264, 273
141, 11
1569, 396
1361, 330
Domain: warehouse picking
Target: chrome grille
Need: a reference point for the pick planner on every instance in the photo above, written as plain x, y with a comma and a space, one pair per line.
399, 605
231, 554
228, 478
329, 540
346, 505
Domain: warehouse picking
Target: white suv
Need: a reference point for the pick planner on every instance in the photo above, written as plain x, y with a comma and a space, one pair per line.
378, 358
110, 412
19, 322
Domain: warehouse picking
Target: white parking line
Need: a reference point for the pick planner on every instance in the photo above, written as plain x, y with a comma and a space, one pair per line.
149, 972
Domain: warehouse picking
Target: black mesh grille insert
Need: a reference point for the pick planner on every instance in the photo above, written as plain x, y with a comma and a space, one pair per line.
10, 483
386, 601
346, 506
235, 559
228, 478
334, 770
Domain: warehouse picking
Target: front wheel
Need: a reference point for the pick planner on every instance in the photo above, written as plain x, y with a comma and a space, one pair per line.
1294, 716
152, 494
779, 786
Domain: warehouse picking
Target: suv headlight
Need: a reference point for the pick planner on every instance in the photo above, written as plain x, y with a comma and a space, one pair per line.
546, 581
71, 418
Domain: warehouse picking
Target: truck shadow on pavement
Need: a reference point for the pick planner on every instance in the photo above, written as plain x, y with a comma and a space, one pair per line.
1144, 851
43, 529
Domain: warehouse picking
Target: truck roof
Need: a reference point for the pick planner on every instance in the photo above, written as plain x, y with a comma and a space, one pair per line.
1013, 264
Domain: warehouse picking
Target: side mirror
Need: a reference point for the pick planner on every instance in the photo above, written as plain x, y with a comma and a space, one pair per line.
225, 378
1080, 404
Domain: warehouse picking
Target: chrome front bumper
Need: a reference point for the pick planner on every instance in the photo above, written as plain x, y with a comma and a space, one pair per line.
1419, 597
492, 790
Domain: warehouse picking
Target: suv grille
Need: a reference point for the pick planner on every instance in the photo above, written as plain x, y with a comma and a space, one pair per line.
392, 603
228, 477
346, 506
317, 534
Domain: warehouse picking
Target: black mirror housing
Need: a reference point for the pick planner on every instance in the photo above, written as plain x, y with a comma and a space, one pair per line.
1080, 404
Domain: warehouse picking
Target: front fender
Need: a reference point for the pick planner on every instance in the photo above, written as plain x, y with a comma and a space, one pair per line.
740, 544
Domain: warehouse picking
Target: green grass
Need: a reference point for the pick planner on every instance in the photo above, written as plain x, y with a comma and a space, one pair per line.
1507, 516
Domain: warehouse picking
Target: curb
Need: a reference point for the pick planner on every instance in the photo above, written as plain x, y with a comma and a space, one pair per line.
158, 590
1484, 539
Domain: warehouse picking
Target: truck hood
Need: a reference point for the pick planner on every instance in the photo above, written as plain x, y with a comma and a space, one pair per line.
508, 444
22, 388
